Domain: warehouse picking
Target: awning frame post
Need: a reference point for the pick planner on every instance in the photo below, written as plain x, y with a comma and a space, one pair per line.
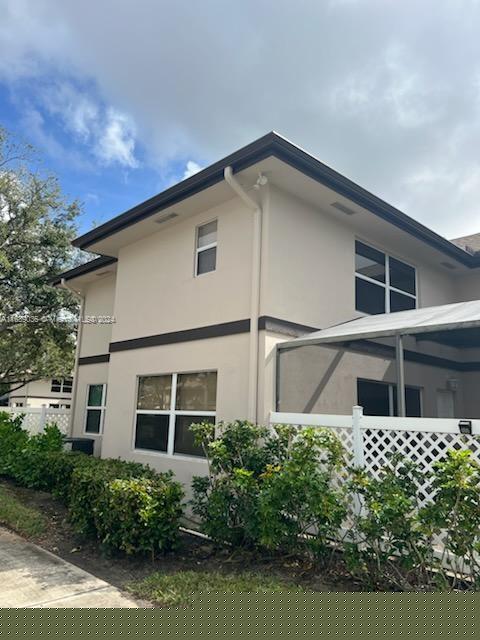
400, 363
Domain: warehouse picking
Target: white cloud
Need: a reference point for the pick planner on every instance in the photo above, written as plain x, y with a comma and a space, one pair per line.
191, 169
116, 144
109, 133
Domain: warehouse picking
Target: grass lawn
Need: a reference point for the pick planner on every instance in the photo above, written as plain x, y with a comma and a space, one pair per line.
15, 515
182, 588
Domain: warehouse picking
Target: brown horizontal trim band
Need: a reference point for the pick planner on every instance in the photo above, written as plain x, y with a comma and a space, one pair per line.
285, 327
104, 357
372, 348
186, 335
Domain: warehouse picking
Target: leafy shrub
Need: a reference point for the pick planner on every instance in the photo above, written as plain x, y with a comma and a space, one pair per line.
387, 546
455, 511
140, 514
126, 505
59, 468
298, 498
266, 488
13, 440
31, 465
89, 480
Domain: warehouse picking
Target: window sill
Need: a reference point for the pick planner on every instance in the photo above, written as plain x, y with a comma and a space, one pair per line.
176, 456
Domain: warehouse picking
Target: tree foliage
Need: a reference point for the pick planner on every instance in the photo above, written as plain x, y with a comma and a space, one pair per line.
37, 224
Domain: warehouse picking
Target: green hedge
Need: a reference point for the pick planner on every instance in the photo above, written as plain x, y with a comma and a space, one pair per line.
126, 505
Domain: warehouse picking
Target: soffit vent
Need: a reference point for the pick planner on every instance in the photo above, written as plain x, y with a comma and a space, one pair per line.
448, 265
102, 273
343, 208
166, 217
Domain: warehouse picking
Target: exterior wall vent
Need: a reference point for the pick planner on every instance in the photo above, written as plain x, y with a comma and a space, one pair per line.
166, 217
343, 208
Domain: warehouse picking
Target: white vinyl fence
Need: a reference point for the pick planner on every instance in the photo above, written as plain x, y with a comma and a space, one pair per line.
369, 439
35, 420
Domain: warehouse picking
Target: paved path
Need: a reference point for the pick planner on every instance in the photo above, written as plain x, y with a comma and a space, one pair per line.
34, 578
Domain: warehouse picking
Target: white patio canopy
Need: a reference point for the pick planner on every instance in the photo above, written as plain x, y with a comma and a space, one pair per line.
455, 324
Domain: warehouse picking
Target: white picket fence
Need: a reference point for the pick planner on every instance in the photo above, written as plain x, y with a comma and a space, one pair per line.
369, 439
35, 419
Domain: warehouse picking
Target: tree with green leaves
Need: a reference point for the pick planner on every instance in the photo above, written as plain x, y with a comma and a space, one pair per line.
37, 224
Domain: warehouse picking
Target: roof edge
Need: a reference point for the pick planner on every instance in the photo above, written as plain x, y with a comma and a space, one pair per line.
81, 270
273, 144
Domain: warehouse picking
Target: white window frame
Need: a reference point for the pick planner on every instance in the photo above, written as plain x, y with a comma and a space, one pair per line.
172, 413
61, 385
96, 408
199, 250
386, 285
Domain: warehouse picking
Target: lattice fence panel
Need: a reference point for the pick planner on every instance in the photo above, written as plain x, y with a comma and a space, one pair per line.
31, 422
61, 419
423, 448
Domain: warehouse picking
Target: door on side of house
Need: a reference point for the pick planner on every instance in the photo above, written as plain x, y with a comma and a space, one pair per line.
445, 403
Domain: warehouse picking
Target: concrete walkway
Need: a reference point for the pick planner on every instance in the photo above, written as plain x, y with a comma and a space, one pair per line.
34, 578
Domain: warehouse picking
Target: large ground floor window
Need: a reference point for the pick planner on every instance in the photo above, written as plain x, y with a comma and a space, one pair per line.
166, 407
380, 399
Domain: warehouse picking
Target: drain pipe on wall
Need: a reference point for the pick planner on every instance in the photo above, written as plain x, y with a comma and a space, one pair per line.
81, 298
255, 287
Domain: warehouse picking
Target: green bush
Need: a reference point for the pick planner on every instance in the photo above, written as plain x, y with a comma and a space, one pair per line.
31, 465
88, 481
13, 440
388, 546
59, 468
267, 488
124, 504
299, 507
140, 514
454, 510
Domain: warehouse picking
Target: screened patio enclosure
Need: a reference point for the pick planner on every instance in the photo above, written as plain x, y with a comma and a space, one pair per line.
416, 363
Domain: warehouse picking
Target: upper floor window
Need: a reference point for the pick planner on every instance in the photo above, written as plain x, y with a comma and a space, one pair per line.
206, 249
382, 284
166, 407
62, 386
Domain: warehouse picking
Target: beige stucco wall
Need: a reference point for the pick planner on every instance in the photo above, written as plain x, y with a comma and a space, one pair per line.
99, 301
157, 291
311, 265
468, 286
228, 356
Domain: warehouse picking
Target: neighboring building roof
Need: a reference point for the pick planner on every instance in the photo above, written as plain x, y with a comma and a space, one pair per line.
275, 145
427, 320
471, 244
83, 269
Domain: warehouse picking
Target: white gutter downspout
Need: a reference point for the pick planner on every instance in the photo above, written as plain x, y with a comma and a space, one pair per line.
78, 295
255, 290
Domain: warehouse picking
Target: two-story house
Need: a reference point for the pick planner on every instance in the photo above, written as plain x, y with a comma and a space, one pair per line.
204, 280
55, 393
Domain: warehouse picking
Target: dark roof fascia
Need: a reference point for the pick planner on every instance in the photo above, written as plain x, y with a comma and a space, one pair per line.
274, 145
245, 157
81, 270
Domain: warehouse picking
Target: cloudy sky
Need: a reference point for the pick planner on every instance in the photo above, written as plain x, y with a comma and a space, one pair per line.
125, 97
